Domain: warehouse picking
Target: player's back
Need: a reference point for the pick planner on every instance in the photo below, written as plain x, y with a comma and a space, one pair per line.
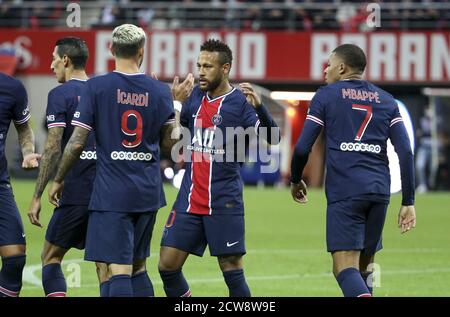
13, 107
357, 117
62, 104
127, 113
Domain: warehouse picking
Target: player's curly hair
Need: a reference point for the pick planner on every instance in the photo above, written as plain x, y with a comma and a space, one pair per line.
225, 54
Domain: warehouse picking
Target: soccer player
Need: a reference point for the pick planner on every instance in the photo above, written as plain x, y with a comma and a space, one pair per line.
68, 225
13, 107
358, 118
209, 208
132, 116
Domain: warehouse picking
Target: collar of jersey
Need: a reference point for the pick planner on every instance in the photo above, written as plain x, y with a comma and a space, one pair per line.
78, 79
221, 96
135, 74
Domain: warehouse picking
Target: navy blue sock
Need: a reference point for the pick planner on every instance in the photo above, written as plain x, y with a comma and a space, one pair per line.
368, 280
175, 284
104, 289
120, 286
53, 280
236, 283
351, 283
142, 285
11, 275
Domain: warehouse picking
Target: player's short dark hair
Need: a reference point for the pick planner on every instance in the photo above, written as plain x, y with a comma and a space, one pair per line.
75, 48
352, 56
225, 54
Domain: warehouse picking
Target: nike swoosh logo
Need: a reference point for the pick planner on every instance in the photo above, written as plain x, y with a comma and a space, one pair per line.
23, 235
231, 244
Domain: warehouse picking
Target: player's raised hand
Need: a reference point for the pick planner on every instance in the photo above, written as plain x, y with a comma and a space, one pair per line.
181, 92
407, 218
34, 211
299, 192
31, 161
54, 194
250, 94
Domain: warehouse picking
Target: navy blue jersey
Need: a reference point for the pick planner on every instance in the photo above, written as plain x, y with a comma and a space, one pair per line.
358, 118
127, 113
212, 182
61, 105
13, 106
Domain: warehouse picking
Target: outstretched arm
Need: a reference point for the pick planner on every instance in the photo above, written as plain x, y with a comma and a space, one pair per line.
71, 154
48, 164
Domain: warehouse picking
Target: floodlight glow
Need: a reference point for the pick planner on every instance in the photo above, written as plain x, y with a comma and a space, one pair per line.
292, 95
169, 173
290, 112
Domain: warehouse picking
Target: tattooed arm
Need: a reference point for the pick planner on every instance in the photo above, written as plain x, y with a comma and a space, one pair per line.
26, 141
170, 135
49, 161
71, 154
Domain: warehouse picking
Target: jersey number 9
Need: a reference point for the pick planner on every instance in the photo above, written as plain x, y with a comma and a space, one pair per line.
136, 132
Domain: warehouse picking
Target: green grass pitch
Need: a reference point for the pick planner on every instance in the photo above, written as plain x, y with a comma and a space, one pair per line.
286, 252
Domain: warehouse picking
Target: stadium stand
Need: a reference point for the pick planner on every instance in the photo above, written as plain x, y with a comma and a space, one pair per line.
230, 14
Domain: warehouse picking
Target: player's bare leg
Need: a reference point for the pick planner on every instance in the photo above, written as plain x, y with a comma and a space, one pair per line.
365, 262
346, 271
233, 273
103, 278
171, 261
13, 262
142, 285
12, 250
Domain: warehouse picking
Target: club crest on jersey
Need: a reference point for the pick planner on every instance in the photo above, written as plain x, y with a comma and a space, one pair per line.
217, 119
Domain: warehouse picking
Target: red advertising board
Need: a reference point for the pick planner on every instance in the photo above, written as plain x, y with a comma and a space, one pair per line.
294, 57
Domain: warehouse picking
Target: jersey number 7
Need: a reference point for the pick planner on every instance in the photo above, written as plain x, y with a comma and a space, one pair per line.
366, 121
136, 132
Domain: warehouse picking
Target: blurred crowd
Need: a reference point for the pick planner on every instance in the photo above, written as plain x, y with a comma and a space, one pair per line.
231, 14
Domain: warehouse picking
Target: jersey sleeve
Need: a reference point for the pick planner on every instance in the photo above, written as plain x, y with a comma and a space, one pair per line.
250, 117
396, 117
21, 110
316, 110
400, 139
84, 115
56, 110
165, 107
185, 113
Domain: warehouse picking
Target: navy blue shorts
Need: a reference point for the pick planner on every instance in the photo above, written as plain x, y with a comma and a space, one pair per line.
11, 226
67, 227
225, 234
119, 237
355, 225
